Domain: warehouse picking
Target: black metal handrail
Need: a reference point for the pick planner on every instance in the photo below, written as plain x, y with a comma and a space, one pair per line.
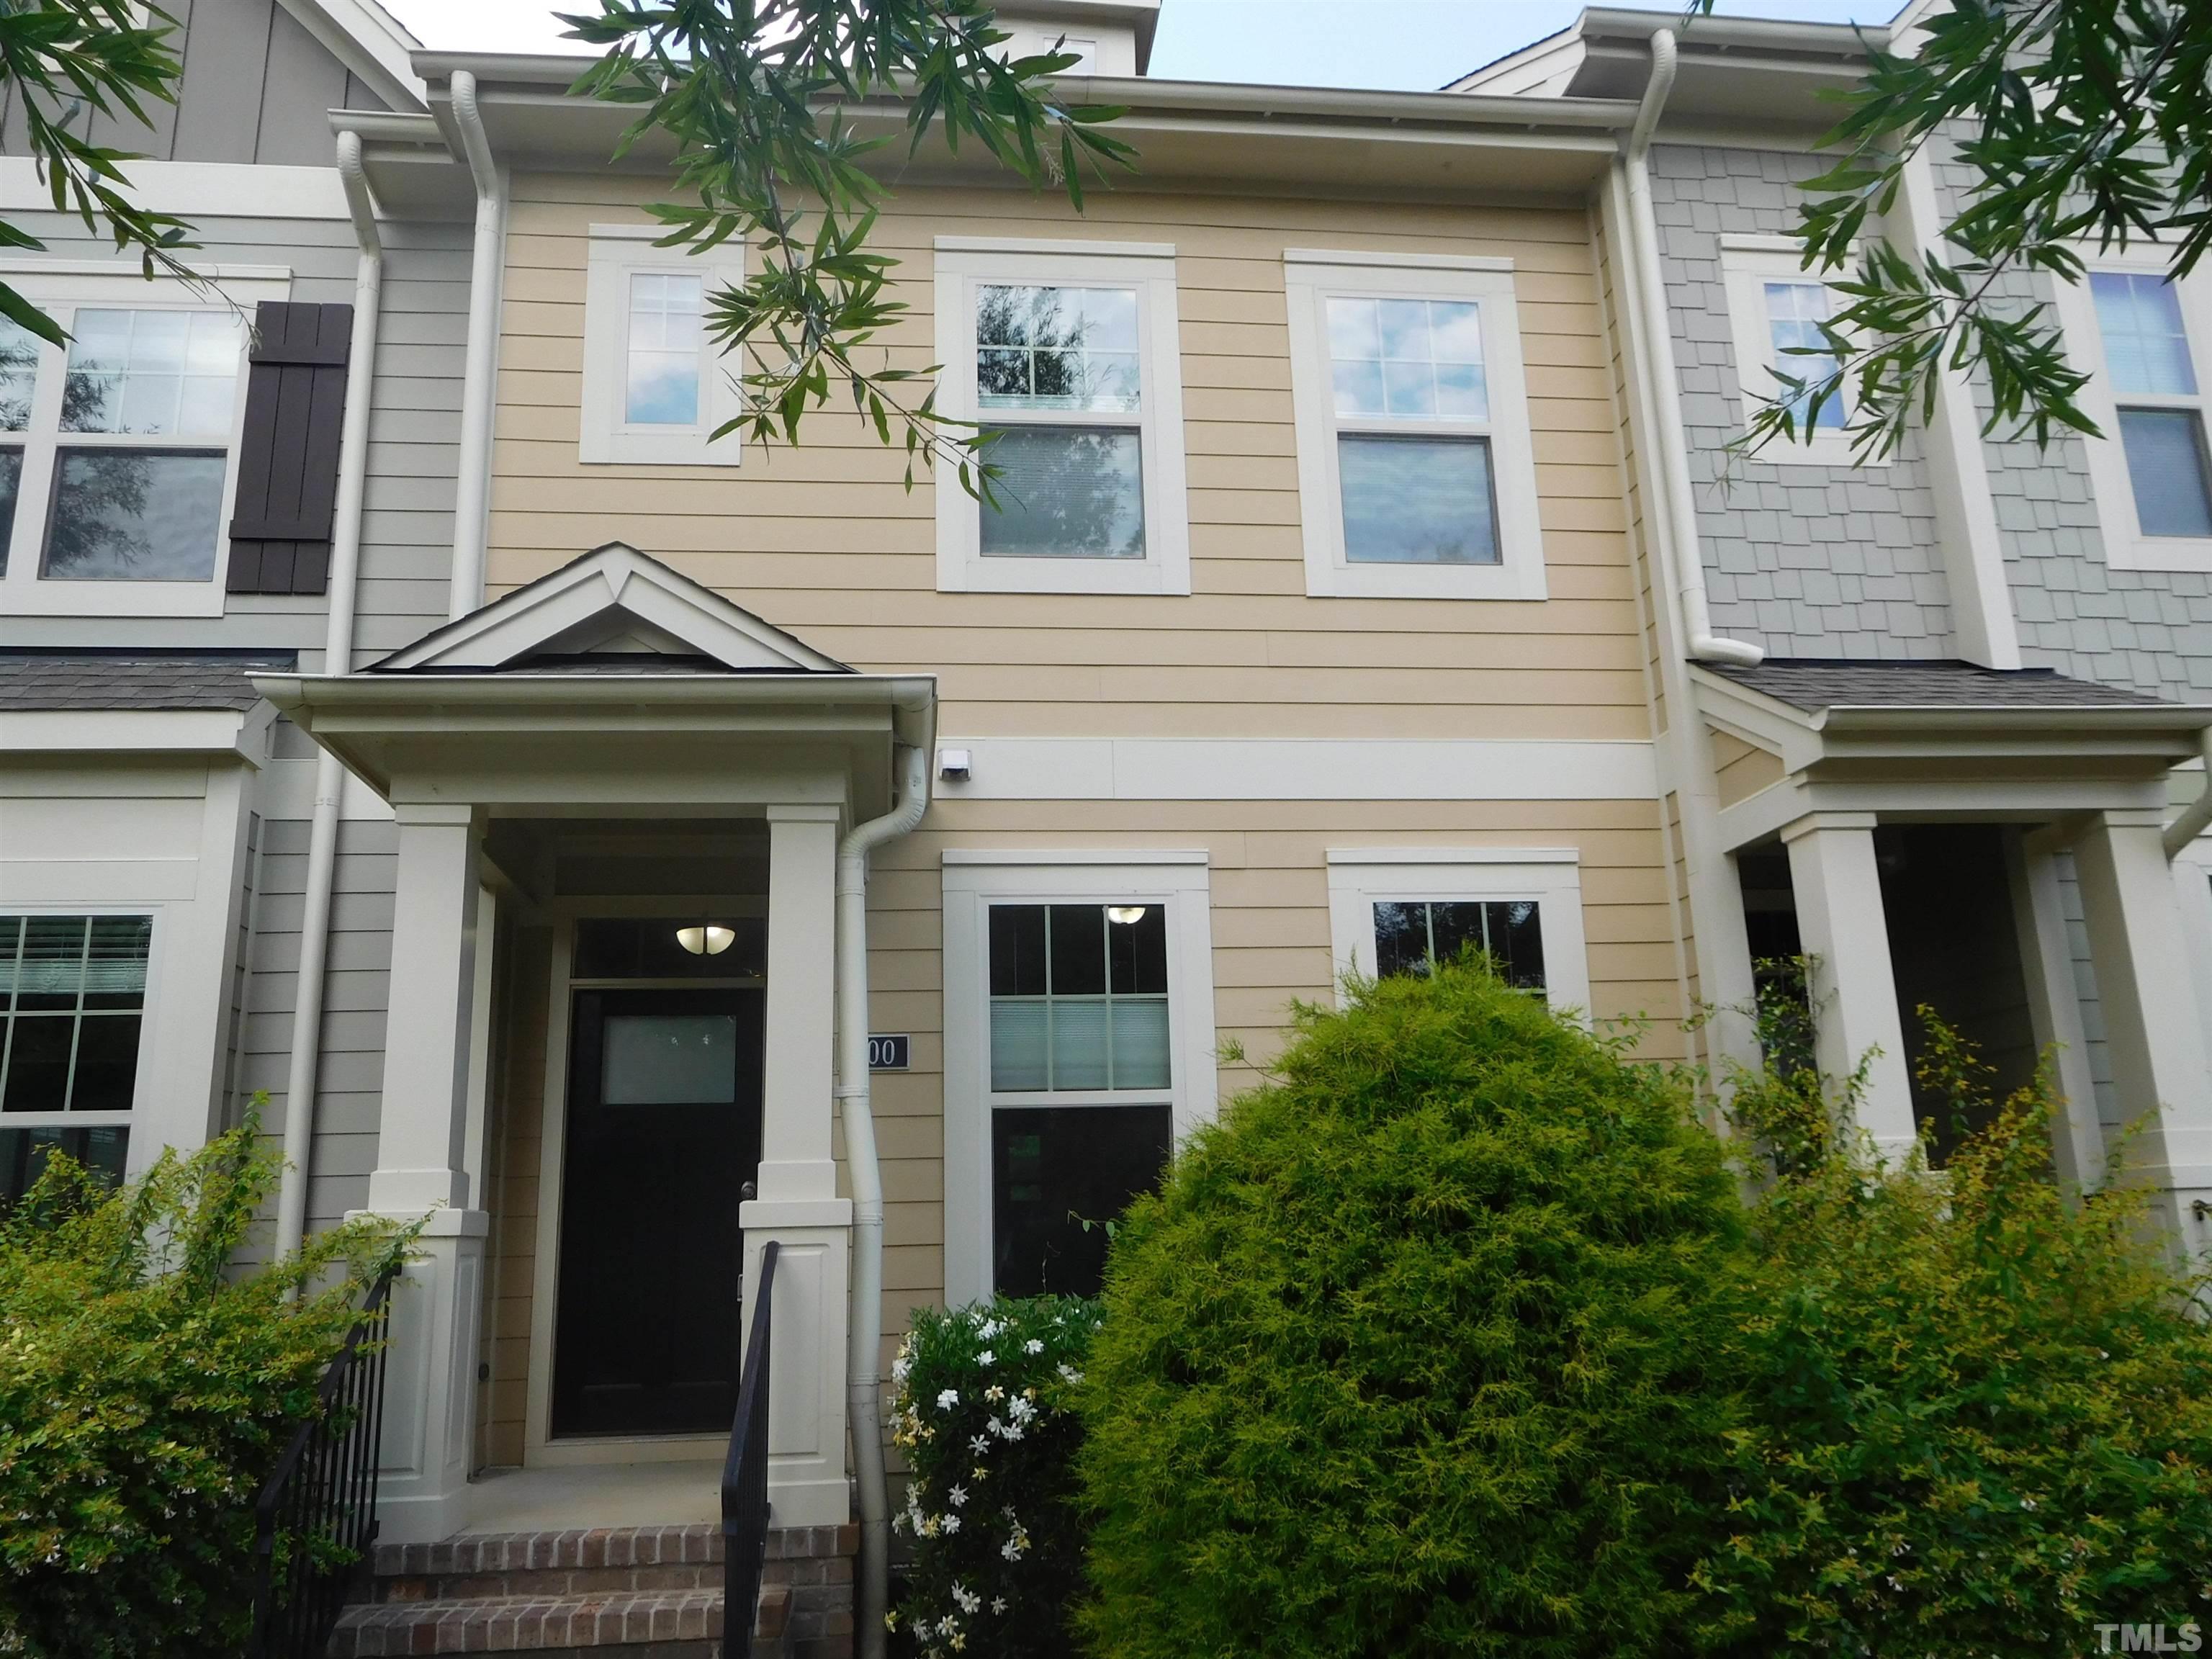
745, 1477
321, 1499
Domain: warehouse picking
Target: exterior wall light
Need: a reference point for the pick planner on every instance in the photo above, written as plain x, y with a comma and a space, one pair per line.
707, 940
1126, 915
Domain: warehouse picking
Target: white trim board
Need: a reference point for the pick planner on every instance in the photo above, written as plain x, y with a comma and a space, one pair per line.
197, 190
1296, 768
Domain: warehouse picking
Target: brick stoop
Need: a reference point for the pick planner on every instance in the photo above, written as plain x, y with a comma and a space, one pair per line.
602, 1593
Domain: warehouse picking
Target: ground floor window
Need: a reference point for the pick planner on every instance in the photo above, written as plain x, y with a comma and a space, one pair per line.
1411, 937
1401, 910
1078, 1045
72, 1006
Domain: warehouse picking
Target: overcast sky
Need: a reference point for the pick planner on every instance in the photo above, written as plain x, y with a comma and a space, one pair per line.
1404, 44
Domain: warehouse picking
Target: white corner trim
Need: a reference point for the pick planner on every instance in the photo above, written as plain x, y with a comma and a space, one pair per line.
632, 233
197, 190
1300, 769
1336, 256
1012, 858
38, 264
1056, 247
1049, 876
1359, 878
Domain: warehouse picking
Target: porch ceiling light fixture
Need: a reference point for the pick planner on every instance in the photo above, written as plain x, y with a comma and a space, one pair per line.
1126, 915
707, 938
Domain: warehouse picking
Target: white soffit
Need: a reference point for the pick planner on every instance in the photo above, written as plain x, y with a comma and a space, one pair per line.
612, 602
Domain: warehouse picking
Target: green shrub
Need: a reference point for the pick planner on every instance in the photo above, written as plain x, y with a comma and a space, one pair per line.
144, 1394
982, 1412
1982, 1407
1415, 1354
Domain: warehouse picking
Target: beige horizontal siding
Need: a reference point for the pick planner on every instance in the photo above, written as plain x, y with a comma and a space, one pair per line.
826, 541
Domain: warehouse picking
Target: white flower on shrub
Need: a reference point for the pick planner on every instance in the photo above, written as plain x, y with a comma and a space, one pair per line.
998, 1604
978, 1444
957, 1497
967, 1600
1069, 1372
1033, 1346
951, 1523
987, 1358
948, 1400
995, 1393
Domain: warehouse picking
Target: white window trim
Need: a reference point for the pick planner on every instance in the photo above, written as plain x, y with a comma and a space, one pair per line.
2126, 547
1747, 265
1359, 878
965, 262
1312, 277
71, 283
142, 1080
974, 880
604, 438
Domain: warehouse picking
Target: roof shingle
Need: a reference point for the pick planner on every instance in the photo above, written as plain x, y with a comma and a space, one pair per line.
38, 683
1815, 683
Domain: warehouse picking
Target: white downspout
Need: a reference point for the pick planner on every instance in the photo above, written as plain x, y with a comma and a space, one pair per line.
337, 659
471, 495
2197, 815
1674, 471
864, 1359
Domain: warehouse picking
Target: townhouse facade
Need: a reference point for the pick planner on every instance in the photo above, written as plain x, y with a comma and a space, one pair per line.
623, 848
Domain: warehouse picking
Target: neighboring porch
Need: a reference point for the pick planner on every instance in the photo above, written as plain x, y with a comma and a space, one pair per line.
609, 1075
1989, 845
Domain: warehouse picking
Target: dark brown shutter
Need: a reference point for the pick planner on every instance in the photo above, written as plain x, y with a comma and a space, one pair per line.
288, 462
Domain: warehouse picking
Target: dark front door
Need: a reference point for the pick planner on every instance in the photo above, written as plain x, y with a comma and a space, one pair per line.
664, 1130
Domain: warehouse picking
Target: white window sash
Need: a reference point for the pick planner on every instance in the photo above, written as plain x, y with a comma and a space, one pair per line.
606, 436
972, 884
62, 287
142, 1080
1312, 279
2126, 546
1748, 264
965, 265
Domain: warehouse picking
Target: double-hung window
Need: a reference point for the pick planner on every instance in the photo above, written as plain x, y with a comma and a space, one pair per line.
72, 1006
2145, 344
1065, 357
1777, 311
1416, 473
655, 388
1403, 910
119, 452
1077, 1047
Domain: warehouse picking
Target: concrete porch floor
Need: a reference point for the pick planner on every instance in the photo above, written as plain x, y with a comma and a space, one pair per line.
594, 1495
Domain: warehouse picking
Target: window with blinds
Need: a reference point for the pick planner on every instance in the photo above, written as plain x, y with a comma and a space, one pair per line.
72, 1004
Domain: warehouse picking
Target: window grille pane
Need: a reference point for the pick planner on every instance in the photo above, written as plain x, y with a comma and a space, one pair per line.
667, 314
39, 1047
50, 970
135, 516
2165, 464
19, 375
1017, 950
1057, 348
11, 481
1054, 1167
1140, 1044
1019, 1062
115, 961
154, 374
1402, 939
1420, 359
1794, 311
2145, 344
24, 1153
1456, 928
1416, 500
1078, 1043
1137, 946
107, 1066
71, 988
1078, 949
1516, 941
1065, 492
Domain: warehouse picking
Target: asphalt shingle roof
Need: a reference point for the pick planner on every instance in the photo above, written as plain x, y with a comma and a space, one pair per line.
1812, 685
36, 682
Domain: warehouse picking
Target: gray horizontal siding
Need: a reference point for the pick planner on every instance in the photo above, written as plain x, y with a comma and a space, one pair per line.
1807, 560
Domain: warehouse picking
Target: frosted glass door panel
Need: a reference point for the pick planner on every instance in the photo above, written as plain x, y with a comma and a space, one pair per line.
669, 1060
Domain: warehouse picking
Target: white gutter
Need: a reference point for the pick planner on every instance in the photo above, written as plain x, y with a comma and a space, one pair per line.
1673, 474
2196, 816
471, 495
864, 1382
337, 659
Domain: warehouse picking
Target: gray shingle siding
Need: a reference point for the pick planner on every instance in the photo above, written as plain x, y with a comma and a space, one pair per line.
1807, 560
2151, 631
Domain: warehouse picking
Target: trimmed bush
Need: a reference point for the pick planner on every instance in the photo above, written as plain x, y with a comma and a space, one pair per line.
1983, 1409
1421, 1350
982, 1412
144, 1395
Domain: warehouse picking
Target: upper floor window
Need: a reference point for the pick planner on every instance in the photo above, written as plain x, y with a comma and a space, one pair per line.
1776, 311
1064, 354
655, 386
1416, 473
2142, 341
118, 454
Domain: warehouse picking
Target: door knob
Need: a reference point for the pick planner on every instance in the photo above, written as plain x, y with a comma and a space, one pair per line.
749, 1192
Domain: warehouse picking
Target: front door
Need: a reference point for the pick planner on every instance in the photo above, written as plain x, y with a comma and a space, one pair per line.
664, 1130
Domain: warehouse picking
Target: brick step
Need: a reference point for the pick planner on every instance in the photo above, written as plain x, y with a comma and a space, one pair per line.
582, 1561
683, 1624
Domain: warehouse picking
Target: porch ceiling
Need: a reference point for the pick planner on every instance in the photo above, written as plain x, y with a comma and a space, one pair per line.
602, 744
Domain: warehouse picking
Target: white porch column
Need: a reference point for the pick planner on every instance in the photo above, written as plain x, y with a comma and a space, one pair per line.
799, 1205
2054, 1005
428, 1415
1854, 989
2153, 1021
